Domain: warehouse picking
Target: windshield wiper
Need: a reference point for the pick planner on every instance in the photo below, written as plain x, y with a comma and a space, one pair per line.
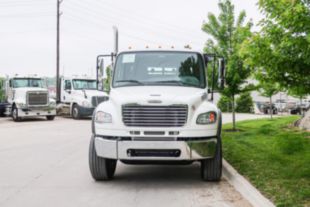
130, 81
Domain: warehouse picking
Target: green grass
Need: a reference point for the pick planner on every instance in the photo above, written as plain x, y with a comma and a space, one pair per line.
274, 156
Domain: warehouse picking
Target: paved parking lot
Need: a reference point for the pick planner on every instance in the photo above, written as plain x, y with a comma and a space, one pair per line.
45, 163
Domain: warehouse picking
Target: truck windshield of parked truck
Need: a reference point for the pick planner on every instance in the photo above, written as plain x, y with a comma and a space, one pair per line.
160, 68
28, 82
82, 84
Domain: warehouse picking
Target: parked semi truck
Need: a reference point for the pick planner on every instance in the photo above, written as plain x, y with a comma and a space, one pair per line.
79, 96
158, 111
27, 96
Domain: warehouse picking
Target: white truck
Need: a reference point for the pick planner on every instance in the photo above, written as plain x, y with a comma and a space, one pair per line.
158, 111
27, 96
79, 96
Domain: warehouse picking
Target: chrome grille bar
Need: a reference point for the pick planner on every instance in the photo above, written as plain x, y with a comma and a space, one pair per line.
154, 116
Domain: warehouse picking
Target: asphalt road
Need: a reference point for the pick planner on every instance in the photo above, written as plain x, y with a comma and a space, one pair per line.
45, 163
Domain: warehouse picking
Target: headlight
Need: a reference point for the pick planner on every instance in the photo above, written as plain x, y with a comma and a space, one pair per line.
206, 118
86, 104
102, 117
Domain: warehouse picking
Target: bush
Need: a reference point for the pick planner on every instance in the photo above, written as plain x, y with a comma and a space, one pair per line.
244, 103
1, 90
225, 104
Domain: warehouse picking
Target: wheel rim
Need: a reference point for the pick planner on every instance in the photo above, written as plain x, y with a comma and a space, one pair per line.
14, 114
75, 112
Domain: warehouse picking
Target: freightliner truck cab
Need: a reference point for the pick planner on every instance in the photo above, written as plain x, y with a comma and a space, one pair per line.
79, 96
158, 111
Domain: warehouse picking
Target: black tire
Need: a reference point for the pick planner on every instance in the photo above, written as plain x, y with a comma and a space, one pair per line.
211, 169
75, 112
100, 168
15, 116
50, 118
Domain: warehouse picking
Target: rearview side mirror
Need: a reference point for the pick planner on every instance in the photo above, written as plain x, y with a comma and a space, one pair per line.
221, 73
101, 71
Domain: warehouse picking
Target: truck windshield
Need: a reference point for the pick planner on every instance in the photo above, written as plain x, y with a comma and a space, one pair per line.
27, 82
159, 68
82, 84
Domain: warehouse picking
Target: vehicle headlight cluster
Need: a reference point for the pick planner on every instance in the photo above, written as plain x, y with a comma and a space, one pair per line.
102, 117
207, 118
86, 104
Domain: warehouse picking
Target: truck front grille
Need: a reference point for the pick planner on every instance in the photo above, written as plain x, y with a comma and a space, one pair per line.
96, 100
154, 116
37, 98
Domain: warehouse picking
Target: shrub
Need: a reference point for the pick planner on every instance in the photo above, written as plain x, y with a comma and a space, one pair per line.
225, 104
244, 103
1, 90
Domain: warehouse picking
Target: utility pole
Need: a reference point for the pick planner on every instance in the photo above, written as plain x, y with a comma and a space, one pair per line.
57, 53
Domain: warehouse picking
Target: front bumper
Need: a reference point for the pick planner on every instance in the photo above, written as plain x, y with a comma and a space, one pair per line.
85, 111
182, 149
33, 112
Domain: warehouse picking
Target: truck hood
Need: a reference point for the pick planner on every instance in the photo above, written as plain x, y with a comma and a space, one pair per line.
159, 95
90, 93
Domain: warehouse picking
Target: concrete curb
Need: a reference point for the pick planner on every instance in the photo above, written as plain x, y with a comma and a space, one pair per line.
244, 187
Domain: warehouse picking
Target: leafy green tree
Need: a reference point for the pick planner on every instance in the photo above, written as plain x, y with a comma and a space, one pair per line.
1, 89
245, 103
107, 81
225, 104
268, 89
228, 35
282, 47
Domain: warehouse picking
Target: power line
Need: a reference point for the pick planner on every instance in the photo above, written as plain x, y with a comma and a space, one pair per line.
72, 17
144, 18
92, 12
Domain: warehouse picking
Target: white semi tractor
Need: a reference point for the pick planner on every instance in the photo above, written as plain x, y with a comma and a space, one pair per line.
158, 111
79, 96
27, 96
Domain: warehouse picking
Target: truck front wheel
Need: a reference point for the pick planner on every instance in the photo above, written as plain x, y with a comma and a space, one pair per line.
75, 112
100, 168
50, 118
211, 169
15, 116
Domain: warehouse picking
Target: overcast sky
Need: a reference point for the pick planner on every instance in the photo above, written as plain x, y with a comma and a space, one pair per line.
28, 30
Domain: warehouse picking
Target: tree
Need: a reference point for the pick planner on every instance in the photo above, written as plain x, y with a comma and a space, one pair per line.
227, 37
107, 81
244, 103
1, 89
282, 47
268, 89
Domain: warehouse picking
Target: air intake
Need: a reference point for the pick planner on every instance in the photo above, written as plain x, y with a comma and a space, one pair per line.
154, 116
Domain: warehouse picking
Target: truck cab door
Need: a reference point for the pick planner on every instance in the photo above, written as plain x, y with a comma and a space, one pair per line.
67, 91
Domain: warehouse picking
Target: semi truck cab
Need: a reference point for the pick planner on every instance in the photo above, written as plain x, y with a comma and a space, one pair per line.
79, 96
158, 112
27, 96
